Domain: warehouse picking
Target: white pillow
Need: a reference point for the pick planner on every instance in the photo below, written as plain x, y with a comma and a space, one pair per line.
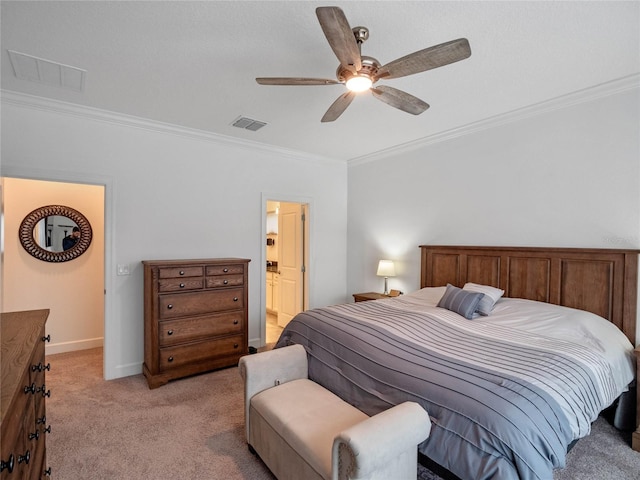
491, 296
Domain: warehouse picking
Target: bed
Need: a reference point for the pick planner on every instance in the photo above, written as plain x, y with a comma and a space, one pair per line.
507, 392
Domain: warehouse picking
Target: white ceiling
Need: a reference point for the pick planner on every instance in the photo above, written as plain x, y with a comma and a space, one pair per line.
194, 64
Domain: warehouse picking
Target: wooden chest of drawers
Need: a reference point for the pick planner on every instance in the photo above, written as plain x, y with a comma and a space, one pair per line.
24, 428
195, 316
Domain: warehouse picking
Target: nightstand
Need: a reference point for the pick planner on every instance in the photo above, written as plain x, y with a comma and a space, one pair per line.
363, 297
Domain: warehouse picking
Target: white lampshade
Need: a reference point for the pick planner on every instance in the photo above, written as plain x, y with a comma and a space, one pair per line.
386, 269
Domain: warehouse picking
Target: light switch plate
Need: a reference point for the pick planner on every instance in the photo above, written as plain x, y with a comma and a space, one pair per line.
123, 269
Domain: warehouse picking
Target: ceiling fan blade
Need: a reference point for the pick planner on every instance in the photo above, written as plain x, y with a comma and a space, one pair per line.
399, 99
423, 60
339, 35
294, 81
338, 107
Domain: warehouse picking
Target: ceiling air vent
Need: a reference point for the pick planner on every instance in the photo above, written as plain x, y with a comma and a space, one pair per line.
248, 124
27, 67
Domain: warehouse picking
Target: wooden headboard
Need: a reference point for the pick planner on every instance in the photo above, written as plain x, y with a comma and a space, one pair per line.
602, 281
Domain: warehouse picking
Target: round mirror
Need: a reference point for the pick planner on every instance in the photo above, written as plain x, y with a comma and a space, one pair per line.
55, 233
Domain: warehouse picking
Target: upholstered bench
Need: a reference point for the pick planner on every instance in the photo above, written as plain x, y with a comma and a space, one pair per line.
301, 431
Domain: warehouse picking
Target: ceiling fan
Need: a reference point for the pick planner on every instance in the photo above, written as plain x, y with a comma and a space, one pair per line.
359, 73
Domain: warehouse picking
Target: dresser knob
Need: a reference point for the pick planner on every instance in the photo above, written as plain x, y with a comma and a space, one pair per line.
25, 458
225, 270
181, 272
47, 472
47, 338
235, 345
235, 299
35, 435
31, 388
225, 281
40, 367
182, 285
47, 393
47, 430
235, 322
8, 464
170, 332
41, 420
170, 306
170, 359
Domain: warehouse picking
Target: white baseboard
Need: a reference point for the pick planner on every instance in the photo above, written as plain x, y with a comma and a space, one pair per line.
126, 370
64, 347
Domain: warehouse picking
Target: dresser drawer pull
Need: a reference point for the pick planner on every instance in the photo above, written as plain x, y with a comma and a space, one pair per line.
170, 359
170, 332
47, 393
225, 282
182, 285
9, 464
170, 306
235, 345
235, 299
181, 272
31, 388
47, 430
47, 472
47, 338
35, 435
40, 367
225, 270
42, 420
25, 458
235, 322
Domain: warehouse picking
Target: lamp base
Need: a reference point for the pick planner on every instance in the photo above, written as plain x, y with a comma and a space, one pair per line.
386, 290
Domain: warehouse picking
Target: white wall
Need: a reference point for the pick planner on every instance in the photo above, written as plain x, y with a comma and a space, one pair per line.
567, 178
173, 193
73, 290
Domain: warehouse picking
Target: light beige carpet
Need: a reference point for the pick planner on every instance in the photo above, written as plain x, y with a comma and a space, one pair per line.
193, 429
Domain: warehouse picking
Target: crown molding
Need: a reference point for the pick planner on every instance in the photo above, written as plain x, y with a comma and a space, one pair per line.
9, 97
613, 87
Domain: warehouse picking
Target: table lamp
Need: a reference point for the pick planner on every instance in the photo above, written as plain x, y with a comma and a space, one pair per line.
386, 270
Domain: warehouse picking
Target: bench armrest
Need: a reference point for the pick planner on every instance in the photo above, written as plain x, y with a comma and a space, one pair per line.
268, 369
373, 447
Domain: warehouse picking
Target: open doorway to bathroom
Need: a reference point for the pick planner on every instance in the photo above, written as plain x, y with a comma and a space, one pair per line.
287, 253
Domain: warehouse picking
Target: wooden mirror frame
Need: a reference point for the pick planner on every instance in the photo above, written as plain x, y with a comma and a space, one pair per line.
29, 243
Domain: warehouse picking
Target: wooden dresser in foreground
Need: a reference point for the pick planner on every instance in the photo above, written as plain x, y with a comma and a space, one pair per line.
635, 438
195, 316
23, 396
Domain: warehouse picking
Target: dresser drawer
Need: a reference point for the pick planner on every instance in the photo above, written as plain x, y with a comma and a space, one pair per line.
177, 272
173, 357
225, 269
183, 330
198, 303
225, 281
180, 284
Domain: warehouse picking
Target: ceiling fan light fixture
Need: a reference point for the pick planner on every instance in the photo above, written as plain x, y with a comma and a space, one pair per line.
359, 83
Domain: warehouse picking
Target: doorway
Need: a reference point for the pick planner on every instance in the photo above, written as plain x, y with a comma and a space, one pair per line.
73, 291
287, 254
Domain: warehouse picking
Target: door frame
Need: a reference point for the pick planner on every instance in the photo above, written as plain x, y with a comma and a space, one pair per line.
308, 239
109, 362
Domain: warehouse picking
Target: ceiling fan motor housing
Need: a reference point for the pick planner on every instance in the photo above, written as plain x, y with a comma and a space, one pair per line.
369, 68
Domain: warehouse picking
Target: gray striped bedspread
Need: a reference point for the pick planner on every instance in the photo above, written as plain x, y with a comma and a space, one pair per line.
501, 406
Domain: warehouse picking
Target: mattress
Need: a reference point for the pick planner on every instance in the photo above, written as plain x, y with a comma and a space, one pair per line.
506, 393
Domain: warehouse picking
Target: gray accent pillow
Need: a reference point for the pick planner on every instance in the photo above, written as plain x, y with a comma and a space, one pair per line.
463, 302
491, 296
